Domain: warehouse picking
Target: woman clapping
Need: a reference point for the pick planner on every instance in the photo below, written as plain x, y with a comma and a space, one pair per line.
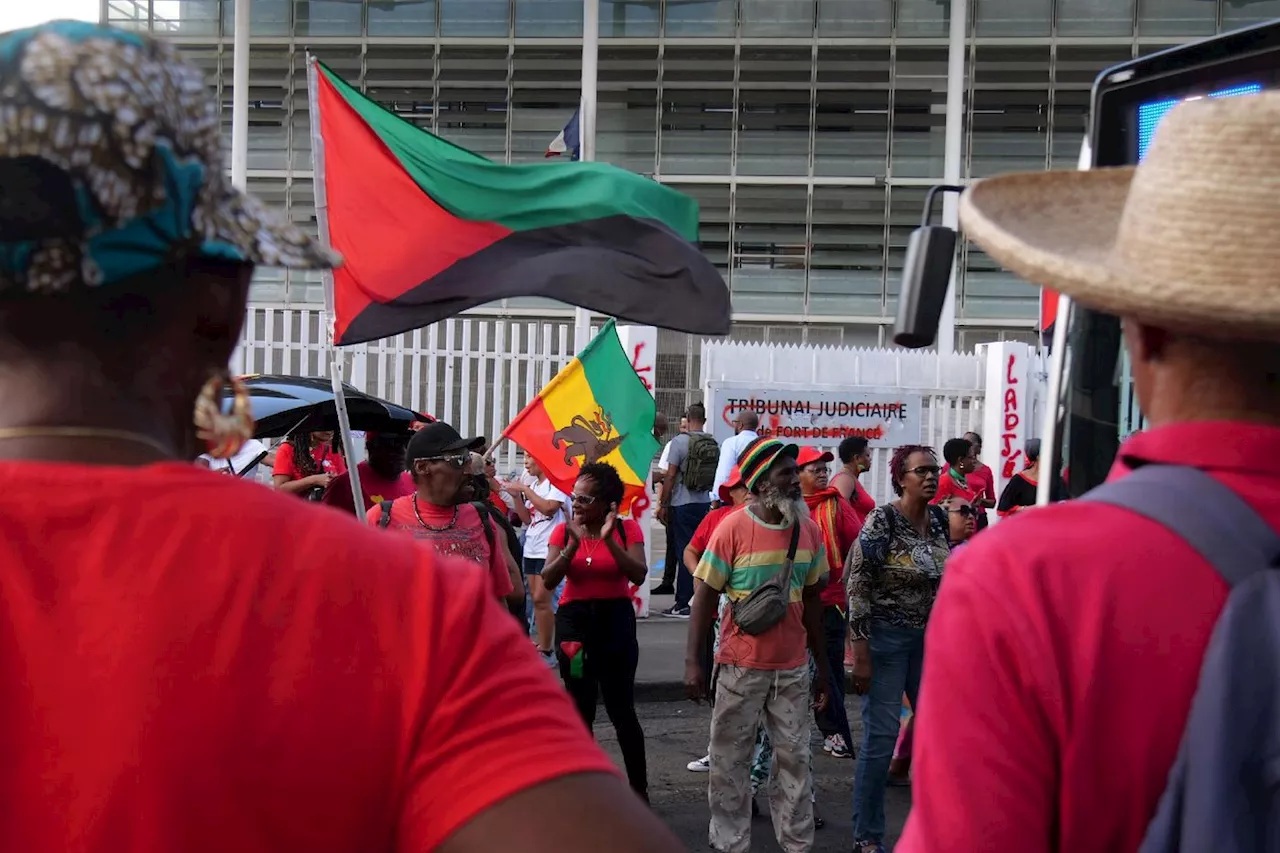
600, 555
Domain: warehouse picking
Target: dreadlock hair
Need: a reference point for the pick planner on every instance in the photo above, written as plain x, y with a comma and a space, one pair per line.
607, 481
898, 464
300, 440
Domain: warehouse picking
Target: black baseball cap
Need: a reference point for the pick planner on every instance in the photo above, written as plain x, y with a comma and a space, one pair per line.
440, 439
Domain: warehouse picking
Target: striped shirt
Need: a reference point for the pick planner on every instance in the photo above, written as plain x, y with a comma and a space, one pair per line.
744, 552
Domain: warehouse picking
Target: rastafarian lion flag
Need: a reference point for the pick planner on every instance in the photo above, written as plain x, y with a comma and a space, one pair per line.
428, 229
596, 409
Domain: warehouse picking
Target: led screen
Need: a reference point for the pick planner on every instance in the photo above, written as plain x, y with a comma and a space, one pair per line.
1151, 113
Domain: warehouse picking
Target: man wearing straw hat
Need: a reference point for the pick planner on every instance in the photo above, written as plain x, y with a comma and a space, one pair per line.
1066, 645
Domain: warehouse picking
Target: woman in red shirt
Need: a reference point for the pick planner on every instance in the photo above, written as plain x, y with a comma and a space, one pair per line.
599, 556
840, 526
855, 458
306, 463
954, 479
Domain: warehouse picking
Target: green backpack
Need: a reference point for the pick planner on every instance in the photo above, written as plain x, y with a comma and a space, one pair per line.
698, 473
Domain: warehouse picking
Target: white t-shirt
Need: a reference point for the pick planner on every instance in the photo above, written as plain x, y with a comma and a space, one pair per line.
662, 460
250, 451
540, 526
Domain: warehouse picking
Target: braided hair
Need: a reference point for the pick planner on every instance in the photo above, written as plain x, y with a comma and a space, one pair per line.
607, 481
898, 465
300, 441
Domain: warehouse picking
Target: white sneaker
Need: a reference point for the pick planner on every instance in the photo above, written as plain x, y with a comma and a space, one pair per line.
701, 765
549, 658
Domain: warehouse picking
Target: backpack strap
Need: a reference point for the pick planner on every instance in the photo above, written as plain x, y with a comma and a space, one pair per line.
384, 519
485, 520
1210, 517
939, 515
795, 543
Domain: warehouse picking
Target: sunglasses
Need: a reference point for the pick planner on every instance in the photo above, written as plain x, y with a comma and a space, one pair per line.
456, 460
966, 511
585, 500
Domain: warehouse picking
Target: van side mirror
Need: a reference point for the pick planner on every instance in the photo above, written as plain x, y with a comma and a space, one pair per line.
926, 274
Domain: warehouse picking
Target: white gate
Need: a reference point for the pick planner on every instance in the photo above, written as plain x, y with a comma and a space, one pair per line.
476, 373
952, 386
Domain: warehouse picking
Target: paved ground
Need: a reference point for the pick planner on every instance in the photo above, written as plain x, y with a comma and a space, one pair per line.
677, 732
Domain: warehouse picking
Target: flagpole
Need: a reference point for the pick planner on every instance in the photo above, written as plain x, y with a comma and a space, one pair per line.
322, 222
587, 131
239, 128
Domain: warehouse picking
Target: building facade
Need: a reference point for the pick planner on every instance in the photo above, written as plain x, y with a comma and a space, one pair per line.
808, 130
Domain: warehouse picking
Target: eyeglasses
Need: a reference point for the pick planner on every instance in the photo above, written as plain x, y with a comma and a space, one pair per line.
966, 511
585, 500
923, 471
456, 460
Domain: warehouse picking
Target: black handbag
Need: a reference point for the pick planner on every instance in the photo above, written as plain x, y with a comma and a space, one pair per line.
767, 604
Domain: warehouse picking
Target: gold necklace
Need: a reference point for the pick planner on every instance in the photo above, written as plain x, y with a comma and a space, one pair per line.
595, 545
17, 433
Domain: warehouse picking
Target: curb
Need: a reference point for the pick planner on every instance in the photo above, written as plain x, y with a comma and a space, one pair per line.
660, 691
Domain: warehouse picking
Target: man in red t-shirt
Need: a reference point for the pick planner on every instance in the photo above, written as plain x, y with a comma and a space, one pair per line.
439, 460
382, 475
1066, 644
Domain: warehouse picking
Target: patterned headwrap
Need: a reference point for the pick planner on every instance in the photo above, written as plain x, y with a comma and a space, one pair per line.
759, 456
111, 165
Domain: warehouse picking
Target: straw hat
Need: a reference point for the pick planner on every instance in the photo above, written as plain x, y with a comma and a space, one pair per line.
1190, 239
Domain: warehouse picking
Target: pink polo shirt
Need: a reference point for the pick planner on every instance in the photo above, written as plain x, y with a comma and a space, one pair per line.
1063, 652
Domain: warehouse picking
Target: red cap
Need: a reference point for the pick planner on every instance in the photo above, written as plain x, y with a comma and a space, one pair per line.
810, 455
734, 482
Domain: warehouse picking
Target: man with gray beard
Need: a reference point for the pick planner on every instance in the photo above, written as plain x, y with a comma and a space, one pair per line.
762, 674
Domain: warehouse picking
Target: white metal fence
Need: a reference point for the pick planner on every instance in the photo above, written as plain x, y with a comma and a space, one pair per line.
478, 372
952, 386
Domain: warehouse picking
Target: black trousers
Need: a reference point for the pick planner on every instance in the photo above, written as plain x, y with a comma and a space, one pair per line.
606, 631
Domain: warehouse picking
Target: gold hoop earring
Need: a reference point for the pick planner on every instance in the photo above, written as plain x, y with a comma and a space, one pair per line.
223, 435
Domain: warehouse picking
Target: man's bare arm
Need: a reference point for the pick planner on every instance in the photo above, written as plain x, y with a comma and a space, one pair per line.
586, 813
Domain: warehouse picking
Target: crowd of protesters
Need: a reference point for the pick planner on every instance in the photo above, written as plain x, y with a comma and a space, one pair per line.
348, 684
854, 582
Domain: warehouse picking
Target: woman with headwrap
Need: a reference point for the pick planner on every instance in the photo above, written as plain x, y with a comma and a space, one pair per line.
172, 679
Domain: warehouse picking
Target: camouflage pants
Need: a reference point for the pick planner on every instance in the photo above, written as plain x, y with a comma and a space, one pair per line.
744, 699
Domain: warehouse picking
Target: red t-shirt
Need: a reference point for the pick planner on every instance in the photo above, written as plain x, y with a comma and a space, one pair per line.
708, 525
373, 486
327, 461
602, 578
170, 684
461, 535
947, 486
982, 482
1064, 664
860, 498
848, 526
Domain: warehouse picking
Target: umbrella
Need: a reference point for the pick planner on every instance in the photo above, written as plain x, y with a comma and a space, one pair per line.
281, 404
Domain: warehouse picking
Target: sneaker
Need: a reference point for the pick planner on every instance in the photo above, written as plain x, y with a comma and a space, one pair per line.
549, 658
836, 746
677, 612
663, 589
701, 765
868, 847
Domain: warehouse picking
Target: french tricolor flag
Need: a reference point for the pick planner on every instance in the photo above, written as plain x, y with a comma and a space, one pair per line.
569, 141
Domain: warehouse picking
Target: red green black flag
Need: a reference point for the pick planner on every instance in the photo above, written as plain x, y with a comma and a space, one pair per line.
428, 229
